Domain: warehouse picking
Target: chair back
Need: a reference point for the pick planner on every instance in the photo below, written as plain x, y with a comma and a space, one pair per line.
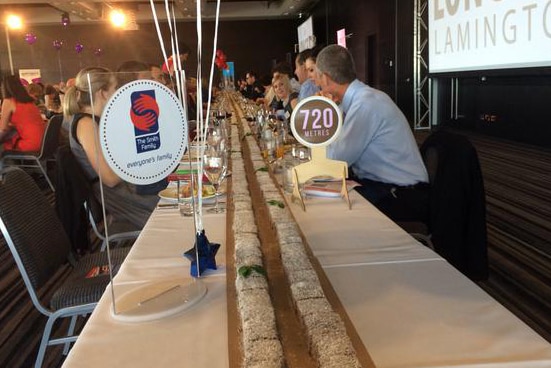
457, 219
31, 228
73, 190
50, 141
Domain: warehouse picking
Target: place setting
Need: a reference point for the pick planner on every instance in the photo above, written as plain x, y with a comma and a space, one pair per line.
182, 192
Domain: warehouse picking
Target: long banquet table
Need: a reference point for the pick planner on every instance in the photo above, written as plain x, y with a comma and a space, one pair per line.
408, 306
196, 337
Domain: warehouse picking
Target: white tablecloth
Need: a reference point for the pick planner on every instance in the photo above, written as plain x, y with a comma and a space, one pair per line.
426, 314
360, 235
196, 337
410, 307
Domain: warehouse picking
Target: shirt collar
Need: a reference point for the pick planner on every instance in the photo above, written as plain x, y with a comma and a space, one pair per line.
349, 94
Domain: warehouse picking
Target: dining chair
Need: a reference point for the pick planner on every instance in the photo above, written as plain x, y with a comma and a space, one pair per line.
457, 206
119, 231
37, 159
41, 248
78, 208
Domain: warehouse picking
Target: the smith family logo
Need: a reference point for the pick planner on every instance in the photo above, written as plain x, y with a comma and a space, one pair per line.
144, 114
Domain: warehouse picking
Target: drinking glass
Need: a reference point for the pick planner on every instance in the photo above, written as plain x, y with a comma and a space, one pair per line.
185, 205
216, 134
215, 166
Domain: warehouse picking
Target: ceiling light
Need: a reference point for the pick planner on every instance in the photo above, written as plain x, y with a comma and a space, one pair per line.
14, 22
118, 18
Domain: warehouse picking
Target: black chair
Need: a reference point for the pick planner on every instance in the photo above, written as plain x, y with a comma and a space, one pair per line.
457, 208
119, 231
31, 159
78, 208
41, 248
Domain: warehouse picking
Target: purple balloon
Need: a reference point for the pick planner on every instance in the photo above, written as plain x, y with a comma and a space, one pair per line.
57, 44
98, 52
30, 38
79, 47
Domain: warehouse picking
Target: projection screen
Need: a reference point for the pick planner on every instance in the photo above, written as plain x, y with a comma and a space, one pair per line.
471, 35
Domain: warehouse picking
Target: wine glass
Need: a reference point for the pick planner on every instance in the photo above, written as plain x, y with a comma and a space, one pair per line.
216, 135
215, 166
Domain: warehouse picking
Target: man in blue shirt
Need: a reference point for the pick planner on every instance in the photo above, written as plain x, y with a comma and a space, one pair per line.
376, 140
307, 86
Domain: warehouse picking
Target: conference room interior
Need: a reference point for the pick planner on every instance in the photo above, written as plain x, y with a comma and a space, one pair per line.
504, 112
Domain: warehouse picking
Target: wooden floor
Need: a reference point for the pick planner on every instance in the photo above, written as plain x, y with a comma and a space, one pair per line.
517, 180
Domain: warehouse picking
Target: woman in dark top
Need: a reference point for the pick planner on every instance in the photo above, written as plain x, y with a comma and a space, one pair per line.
121, 199
285, 99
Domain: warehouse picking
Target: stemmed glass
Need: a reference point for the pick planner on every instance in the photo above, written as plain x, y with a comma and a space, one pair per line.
216, 135
215, 167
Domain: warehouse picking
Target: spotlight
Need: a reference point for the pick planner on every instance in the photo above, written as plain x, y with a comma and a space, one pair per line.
14, 22
65, 20
118, 18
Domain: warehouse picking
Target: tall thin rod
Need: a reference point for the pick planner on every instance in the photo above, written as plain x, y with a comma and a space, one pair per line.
9, 49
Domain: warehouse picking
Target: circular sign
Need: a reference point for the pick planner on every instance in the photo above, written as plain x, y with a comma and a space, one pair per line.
143, 132
316, 121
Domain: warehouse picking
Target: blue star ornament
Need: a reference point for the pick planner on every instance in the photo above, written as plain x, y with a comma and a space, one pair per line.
206, 251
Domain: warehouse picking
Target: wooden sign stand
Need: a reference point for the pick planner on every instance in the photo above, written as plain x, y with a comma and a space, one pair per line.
319, 165
316, 122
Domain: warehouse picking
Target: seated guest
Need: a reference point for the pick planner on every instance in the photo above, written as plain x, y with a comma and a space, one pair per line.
266, 83
310, 64
21, 125
51, 101
285, 99
36, 91
376, 140
121, 199
241, 85
284, 67
157, 74
127, 72
307, 86
254, 89
132, 70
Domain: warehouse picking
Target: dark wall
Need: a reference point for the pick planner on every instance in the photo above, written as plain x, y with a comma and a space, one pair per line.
250, 44
514, 107
380, 40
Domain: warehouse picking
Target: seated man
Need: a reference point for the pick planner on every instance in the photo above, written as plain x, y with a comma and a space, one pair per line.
376, 140
254, 89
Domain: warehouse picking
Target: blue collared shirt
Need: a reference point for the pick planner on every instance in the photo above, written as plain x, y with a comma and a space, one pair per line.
307, 89
376, 140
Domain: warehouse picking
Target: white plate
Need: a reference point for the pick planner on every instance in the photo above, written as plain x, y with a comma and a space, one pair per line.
171, 194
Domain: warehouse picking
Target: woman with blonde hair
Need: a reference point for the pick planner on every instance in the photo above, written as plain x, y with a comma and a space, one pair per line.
98, 84
285, 99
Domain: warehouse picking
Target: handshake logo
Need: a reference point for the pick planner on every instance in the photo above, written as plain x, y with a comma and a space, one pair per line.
144, 114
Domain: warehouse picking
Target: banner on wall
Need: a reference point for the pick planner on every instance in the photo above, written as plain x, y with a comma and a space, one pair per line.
306, 38
341, 37
30, 75
229, 73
